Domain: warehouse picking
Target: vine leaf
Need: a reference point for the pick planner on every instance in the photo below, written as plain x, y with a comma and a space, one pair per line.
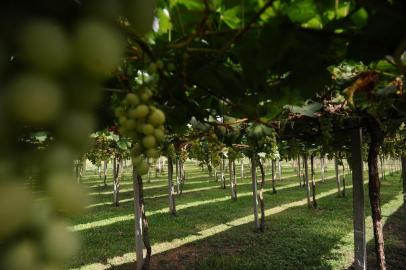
306, 110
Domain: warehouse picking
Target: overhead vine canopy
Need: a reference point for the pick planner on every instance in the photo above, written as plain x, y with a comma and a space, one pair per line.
251, 57
214, 72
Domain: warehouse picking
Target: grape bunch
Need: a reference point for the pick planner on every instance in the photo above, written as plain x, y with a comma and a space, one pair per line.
326, 130
53, 65
141, 121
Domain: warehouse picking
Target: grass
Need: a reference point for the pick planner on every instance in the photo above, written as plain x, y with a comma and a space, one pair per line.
213, 232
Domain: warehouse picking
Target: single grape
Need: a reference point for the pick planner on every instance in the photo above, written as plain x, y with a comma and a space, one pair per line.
258, 131
130, 124
99, 47
122, 120
141, 111
142, 168
132, 99
146, 94
149, 142
148, 129
35, 99
15, 207
45, 45
58, 243
159, 135
67, 195
157, 118
119, 112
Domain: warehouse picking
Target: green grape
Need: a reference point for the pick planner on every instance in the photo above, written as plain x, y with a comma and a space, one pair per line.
35, 99
142, 168
159, 135
122, 120
137, 128
141, 111
119, 112
58, 243
146, 94
149, 142
132, 99
40, 214
99, 47
46, 46
148, 129
130, 124
157, 118
14, 208
258, 131
67, 196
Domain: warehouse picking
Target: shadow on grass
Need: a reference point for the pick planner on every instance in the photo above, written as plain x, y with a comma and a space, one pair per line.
395, 243
156, 198
297, 238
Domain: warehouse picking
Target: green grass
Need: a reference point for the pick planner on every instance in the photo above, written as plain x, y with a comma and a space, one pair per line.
218, 232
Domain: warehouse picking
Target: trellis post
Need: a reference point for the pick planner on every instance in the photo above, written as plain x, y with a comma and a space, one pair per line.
358, 201
254, 189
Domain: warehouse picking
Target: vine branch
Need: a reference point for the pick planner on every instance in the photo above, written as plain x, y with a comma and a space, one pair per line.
199, 28
244, 30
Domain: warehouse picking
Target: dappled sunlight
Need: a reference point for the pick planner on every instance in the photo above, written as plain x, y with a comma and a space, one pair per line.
124, 183
388, 209
176, 243
113, 220
166, 194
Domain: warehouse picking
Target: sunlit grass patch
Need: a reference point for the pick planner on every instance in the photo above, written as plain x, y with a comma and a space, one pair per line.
206, 214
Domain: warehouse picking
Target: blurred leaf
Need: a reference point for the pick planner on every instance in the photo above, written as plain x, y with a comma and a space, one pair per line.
232, 17
164, 21
307, 110
189, 4
122, 144
300, 11
360, 18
